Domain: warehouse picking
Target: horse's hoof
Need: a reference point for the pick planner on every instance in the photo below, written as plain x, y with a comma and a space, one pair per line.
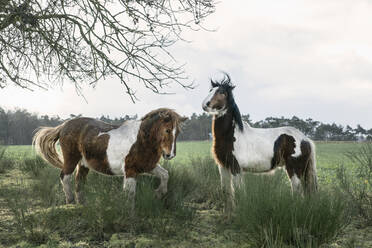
70, 201
159, 194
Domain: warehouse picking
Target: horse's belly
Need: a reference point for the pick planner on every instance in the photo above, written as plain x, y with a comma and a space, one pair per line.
254, 164
116, 163
253, 157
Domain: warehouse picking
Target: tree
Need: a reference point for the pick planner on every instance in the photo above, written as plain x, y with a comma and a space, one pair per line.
87, 40
360, 130
247, 119
4, 127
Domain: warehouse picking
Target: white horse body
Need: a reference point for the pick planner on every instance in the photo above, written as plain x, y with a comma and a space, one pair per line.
253, 147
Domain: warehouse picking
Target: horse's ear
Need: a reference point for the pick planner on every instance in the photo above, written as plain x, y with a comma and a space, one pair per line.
213, 84
166, 117
183, 118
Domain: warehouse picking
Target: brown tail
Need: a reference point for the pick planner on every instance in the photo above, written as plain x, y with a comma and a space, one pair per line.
44, 141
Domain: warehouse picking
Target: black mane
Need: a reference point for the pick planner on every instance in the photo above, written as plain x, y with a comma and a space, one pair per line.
226, 84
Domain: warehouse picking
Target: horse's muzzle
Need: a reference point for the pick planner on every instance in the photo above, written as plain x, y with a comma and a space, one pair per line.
168, 156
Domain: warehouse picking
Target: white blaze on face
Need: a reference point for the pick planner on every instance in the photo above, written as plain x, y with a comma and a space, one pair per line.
174, 142
208, 99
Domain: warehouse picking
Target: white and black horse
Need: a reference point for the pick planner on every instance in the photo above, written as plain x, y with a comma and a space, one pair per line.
238, 147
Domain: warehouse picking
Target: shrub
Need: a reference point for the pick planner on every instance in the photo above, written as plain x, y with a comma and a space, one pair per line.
18, 202
273, 217
357, 184
47, 188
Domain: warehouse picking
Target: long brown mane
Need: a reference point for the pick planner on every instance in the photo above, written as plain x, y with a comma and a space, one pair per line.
146, 152
147, 129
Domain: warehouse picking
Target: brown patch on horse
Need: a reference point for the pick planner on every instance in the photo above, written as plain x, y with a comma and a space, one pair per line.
154, 136
298, 165
223, 142
284, 147
94, 151
79, 137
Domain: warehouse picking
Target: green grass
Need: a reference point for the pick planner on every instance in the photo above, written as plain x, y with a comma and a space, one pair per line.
273, 217
32, 210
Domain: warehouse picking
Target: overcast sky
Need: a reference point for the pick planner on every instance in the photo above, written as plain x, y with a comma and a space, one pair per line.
287, 57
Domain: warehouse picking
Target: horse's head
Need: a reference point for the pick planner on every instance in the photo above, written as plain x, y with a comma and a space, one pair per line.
164, 130
219, 97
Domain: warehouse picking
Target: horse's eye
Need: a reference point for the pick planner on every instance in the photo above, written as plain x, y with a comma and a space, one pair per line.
168, 130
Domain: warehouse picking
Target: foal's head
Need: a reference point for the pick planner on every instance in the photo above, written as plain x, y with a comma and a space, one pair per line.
162, 126
220, 97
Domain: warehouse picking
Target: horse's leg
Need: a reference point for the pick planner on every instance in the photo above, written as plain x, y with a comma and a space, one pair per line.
80, 179
130, 189
66, 176
238, 181
163, 175
295, 180
227, 188
71, 159
296, 184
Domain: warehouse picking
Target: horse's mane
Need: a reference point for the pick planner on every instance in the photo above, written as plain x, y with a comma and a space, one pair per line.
155, 115
226, 84
162, 113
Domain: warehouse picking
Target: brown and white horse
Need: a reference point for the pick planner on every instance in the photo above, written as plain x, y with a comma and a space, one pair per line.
133, 148
238, 147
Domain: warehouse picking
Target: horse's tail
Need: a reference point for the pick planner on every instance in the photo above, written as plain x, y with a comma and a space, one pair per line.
44, 141
311, 179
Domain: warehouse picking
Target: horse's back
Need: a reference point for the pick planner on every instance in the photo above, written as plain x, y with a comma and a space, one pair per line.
84, 124
80, 139
254, 147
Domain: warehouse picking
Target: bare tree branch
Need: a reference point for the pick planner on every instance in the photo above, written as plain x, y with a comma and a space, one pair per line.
46, 41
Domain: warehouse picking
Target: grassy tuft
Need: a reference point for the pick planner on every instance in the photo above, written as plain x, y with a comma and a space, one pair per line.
5, 162
206, 182
356, 184
271, 215
33, 166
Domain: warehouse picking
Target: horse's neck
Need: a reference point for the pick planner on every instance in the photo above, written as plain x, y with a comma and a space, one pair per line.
149, 146
223, 127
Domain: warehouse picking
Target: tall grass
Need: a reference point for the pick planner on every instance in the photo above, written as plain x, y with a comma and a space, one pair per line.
265, 209
273, 217
205, 182
38, 208
5, 162
357, 183
34, 166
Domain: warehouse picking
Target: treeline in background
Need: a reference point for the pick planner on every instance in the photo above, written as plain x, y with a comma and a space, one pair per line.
17, 127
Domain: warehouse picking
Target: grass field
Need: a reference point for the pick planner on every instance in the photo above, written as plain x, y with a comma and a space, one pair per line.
33, 214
